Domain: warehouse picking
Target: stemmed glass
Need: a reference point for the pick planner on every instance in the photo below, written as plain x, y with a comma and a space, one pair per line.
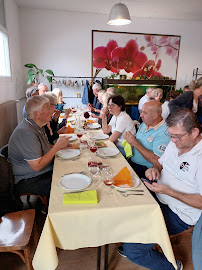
79, 133
107, 177
93, 146
83, 146
94, 169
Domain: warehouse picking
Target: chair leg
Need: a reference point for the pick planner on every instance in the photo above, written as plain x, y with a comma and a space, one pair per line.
28, 259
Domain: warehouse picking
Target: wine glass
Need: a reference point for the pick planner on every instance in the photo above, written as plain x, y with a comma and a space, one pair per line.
94, 169
93, 146
79, 133
107, 177
83, 146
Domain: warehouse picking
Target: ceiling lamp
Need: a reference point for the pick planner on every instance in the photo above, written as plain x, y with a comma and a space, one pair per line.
119, 15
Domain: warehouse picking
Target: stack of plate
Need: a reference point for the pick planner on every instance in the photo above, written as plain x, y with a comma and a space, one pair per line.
68, 153
107, 152
100, 136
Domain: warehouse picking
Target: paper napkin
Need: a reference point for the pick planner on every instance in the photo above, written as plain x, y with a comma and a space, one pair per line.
69, 130
123, 178
85, 197
127, 149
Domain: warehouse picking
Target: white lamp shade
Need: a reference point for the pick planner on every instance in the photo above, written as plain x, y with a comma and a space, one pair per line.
119, 15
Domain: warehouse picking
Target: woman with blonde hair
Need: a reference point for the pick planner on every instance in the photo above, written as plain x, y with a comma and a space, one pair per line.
189, 99
157, 94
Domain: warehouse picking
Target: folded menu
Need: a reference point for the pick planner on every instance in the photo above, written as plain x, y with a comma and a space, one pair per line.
123, 178
69, 130
85, 197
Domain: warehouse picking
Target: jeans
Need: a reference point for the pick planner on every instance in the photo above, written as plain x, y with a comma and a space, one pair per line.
38, 185
139, 169
144, 255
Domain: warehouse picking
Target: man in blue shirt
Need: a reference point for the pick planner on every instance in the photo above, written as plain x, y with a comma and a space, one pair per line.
96, 106
150, 141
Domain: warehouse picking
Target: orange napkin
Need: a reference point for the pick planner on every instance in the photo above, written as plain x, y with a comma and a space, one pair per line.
69, 130
90, 121
123, 178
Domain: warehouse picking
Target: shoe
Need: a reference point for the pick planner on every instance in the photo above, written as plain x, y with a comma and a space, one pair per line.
121, 251
179, 265
44, 210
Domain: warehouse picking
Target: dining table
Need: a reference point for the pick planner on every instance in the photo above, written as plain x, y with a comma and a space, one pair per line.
114, 219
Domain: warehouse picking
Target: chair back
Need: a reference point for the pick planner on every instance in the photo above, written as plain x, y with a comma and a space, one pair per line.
135, 113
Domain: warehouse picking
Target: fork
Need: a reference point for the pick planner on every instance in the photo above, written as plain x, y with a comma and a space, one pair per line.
126, 195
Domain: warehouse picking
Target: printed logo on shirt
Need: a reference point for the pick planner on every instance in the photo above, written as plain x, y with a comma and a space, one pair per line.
162, 148
184, 166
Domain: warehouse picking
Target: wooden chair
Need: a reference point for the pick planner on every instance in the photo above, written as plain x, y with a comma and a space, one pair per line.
43, 199
15, 232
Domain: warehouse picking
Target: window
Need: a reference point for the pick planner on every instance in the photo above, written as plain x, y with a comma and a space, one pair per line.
4, 55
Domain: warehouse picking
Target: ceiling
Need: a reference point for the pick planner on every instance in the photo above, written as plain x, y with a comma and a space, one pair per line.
167, 9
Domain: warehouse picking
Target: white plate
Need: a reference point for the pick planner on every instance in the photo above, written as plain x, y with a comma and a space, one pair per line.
92, 118
73, 137
107, 152
70, 119
94, 126
100, 136
136, 183
68, 153
74, 182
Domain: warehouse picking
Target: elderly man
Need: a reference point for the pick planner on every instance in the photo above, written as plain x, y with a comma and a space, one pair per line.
29, 150
96, 106
150, 141
30, 92
179, 186
42, 89
145, 98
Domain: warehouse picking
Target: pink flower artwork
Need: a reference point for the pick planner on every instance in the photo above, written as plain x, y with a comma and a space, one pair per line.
149, 70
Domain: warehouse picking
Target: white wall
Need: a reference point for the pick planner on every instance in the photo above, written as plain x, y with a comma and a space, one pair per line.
12, 88
61, 40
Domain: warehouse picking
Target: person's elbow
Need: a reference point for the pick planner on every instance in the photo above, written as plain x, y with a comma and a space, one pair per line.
35, 165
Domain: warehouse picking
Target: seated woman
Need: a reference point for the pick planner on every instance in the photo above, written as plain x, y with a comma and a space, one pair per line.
60, 104
157, 94
120, 122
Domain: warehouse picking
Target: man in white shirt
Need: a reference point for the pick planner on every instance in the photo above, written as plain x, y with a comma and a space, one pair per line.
179, 186
145, 98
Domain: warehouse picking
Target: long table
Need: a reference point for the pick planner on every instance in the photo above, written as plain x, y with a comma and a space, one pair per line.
114, 219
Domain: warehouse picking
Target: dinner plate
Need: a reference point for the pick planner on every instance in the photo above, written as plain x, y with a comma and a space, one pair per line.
107, 152
70, 119
92, 118
68, 153
74, 182
94, 126
135, 181
73, 137
100, 136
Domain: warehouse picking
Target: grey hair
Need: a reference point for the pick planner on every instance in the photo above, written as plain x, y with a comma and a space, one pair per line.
41, 84
101, 92
56, 91
195, 85
112, 91
52, 97
184, 117
97, 86
31, 91
34, 104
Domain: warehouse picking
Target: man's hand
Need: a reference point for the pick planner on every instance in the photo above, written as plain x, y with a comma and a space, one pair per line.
67, 113
152, 173
63, 142
56, 115
158, 188
89, 106
128, 136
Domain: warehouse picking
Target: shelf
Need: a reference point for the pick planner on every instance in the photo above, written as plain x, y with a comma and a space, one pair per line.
139, 82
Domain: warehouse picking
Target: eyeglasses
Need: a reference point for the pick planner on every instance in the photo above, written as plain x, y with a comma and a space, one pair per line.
177, 138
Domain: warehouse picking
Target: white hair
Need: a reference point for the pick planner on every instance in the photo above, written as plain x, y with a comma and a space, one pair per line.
155, 92
112, 91
97, 86
149, 89
57, 91
42, 84
35, 104
52, 97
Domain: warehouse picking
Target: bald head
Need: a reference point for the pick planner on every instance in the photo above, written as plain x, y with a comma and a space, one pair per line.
151, 113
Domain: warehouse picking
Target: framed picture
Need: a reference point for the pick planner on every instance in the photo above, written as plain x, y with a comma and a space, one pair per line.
134, 55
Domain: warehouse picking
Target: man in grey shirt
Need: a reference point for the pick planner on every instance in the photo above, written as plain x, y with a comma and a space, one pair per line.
29, 150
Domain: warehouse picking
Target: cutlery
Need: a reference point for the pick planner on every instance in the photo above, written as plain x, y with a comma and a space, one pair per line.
76, 191
82, 172
126, 195
133, 190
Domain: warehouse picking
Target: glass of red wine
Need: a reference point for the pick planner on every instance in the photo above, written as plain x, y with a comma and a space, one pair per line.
79, 133
92, 146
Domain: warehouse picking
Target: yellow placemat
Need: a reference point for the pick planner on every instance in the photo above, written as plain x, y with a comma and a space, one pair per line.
85, 197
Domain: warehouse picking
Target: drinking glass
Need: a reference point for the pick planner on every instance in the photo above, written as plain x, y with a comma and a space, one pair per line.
83, 146
107, 177
93, 146
93, 169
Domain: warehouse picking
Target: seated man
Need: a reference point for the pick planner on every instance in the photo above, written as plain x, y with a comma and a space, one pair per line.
42, 89
30, 92
179, 186
96, 106
145, 98
29, 150
150, 141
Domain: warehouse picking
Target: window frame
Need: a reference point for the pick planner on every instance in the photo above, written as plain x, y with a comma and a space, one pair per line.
8, 77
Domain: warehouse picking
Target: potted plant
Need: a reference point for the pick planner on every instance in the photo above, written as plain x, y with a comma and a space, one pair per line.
36, 75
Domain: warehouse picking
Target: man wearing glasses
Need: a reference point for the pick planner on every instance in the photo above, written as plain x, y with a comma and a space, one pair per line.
178, 189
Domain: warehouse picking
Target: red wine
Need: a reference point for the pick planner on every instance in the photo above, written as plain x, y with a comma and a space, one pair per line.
92, 163
73, 111
79, 135
93, 149
108, 182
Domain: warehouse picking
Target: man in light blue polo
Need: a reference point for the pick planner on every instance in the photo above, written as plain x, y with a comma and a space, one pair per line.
150, 141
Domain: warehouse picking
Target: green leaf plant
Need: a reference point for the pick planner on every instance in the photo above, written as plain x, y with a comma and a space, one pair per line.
37, 75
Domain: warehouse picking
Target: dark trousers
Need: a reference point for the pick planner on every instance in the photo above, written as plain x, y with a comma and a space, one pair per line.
38, 185
139, 169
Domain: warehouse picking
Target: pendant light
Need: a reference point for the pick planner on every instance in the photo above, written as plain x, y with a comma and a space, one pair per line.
119, 15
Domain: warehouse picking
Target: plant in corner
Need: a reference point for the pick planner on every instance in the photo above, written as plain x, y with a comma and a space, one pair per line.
37, 75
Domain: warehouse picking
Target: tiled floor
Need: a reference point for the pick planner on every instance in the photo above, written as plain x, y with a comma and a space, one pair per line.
85, 259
